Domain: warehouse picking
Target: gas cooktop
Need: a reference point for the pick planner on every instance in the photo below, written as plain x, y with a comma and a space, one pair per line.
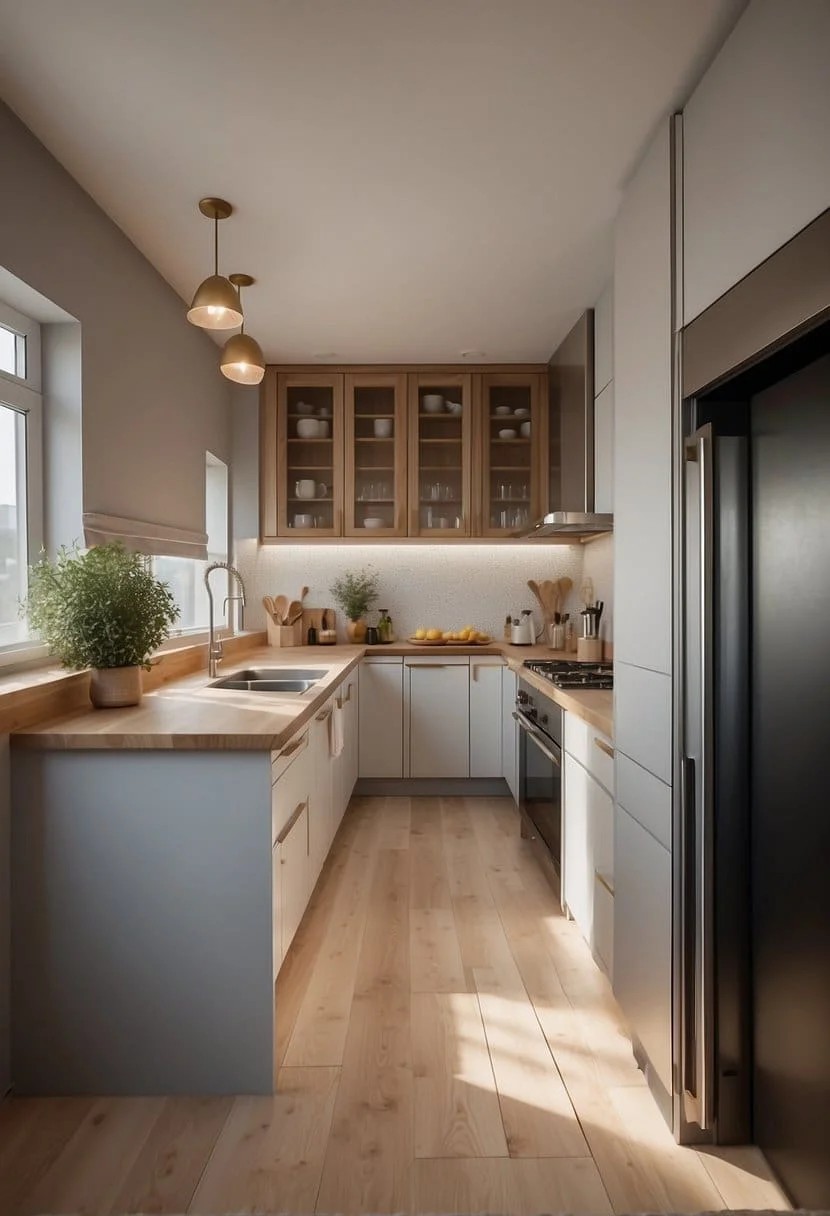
563, 674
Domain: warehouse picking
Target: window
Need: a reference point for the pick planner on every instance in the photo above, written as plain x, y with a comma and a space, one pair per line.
21, 491
186, 576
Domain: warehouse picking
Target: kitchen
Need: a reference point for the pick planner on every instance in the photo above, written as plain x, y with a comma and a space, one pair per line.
444, 1037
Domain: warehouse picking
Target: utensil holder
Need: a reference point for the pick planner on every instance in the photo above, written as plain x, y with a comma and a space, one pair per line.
589, 649
283, 635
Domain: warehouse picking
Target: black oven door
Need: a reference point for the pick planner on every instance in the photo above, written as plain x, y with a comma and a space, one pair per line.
540, 785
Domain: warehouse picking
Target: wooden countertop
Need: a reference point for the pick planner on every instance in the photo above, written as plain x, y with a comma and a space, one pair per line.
186, 714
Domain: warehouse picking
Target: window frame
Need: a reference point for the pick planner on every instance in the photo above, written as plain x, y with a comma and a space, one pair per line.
22, 394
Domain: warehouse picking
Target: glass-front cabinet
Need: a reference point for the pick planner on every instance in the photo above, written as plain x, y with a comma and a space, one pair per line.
510, 421
309, 455
440, 454
376, 447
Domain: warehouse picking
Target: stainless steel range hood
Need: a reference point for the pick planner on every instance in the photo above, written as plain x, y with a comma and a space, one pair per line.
570, 489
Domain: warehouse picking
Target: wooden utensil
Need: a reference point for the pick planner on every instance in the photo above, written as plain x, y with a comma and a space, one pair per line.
294, 612
550, 597
534, 587
280, 608
270, 607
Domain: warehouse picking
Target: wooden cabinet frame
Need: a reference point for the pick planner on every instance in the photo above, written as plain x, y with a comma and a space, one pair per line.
398, 477
285, 382
537, 385
439, 379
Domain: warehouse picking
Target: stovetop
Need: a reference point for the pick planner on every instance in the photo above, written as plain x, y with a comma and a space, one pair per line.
564, 674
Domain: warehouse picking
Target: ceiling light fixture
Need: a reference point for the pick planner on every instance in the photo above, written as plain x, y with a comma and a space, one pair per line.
242, 358
216, 302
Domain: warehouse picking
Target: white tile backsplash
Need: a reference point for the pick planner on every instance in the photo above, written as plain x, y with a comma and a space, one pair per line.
445, 586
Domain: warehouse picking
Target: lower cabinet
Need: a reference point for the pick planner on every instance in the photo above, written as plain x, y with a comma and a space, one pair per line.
485, 717
294, 874
439, 717
509, 732
381, 718
321, 802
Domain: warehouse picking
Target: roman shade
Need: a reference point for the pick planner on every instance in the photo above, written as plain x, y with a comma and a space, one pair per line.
157, 540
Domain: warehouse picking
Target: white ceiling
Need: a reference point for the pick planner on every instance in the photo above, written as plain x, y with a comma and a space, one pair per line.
412, 178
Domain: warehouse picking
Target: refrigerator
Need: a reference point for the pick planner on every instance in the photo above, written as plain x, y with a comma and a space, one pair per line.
753, 1047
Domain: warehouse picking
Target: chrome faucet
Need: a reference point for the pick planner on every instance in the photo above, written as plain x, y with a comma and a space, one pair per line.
215, 651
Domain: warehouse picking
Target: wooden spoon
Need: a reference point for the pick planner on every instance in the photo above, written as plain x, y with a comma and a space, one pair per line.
270, 607
534, 587
550, 596
295, 611
280, 608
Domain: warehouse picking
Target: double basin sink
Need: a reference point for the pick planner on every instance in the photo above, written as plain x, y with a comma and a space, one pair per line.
296, 680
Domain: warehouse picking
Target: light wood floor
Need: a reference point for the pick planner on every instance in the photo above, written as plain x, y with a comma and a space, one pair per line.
447, 1044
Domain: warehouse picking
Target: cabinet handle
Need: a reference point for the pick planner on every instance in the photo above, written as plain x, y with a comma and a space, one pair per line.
338, 701
293, 747
604, 882
295, 815
348, 695
431, 666
325, 714
604, 747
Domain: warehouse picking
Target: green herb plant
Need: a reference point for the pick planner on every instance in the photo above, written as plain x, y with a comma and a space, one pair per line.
355, 593
99, 608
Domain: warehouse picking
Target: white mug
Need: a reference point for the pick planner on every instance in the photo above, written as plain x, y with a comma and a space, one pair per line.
305, 488
383, 428
303, 521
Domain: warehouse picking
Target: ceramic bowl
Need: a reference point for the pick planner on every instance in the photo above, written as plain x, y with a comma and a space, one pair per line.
306, 488
303, 521
372, 521
525, 430
509, 433
383, 428
454, 407
309, 428
521, 412
502, 409
433, 403
302, 407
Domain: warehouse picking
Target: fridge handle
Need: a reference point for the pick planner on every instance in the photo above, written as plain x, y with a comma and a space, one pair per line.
699, 797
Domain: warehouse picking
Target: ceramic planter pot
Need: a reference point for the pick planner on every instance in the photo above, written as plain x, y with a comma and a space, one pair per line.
113, 687
356, 631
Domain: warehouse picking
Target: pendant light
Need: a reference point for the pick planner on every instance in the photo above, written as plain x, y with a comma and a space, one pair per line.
216, 302
242, 358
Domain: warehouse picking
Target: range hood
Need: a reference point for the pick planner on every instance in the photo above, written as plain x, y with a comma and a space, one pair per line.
570, 489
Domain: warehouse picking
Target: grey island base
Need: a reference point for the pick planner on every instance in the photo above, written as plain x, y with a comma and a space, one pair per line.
143, 950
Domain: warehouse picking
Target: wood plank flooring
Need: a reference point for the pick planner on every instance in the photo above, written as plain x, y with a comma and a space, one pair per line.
445, 1044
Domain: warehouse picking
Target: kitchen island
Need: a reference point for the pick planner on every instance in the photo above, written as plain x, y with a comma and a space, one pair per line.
162, 858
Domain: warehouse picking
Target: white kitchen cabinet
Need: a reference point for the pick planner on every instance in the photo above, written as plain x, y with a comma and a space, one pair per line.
439, 717
320, 805
509, 732
295, 876
588, 829
604, 339
277, 952
381, 718
485, 717
604, 449
756, 168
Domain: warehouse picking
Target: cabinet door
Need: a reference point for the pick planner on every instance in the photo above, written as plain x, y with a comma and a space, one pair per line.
376, 448
320, 814
509, 442
604, 449
351, 707
276, 908
294, 881
485, 717
577, 858
309, 466
381, 719
509, 733
440, 455
439, 719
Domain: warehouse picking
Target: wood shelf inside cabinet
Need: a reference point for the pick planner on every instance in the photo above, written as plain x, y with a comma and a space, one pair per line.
310, 468
321, 500
374, 439
371, 417
455, 441
442, 417
506, 419
520, 442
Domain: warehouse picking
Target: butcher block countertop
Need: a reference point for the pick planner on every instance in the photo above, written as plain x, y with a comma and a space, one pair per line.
186, 714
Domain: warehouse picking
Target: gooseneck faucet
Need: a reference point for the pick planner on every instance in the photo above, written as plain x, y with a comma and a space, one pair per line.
215, 651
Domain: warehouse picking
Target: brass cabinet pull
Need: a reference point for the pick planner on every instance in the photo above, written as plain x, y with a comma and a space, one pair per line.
293, 747
295, 815
348, 696
604, 882
325, 714
604, 747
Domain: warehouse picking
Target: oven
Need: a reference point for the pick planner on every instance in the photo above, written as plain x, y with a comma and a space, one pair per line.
540, 772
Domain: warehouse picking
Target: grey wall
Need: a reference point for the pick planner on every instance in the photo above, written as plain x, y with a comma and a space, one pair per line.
153, 397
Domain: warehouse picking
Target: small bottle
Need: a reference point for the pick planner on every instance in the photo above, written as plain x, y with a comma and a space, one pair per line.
311, 636
508, 621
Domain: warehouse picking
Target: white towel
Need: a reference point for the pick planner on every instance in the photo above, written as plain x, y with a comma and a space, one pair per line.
336, 740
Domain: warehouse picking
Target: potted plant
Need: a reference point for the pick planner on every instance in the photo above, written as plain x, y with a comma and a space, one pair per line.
103, 609
355, 593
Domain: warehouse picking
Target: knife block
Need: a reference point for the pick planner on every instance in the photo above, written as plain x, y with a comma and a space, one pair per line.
589, 650
283, 635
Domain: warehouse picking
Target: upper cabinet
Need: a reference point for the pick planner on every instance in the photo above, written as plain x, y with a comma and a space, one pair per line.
375, 472
440, 454
510, 440
402, 453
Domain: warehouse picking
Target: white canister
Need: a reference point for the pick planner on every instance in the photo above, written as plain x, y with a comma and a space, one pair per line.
322, 428
383, 428
305, 488
309, 428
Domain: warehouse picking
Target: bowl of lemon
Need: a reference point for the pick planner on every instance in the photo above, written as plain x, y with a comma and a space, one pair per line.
468, 636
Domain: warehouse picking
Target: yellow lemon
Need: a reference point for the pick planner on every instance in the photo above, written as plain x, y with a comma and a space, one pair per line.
420, 632
433, 634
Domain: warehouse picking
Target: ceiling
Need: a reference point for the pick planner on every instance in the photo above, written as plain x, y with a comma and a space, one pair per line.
412, 178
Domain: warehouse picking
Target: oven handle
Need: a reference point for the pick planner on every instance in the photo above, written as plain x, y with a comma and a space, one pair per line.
538, 738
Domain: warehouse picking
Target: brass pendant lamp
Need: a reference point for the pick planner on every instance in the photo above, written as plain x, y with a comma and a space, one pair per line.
216, 302
242, 358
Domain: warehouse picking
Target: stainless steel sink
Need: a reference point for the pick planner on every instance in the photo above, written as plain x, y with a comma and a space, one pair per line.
295, 680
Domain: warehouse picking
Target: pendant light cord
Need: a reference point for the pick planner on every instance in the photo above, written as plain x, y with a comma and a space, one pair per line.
215, 243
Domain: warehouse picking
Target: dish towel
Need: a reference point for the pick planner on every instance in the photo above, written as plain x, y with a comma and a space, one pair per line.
336, 731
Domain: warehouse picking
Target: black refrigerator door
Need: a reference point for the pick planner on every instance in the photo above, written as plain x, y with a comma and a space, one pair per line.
790, 816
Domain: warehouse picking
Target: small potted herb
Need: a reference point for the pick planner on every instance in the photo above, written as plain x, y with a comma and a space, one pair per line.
103, 609
355, 593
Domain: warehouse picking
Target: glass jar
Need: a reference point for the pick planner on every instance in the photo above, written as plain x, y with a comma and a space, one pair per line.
385, 630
